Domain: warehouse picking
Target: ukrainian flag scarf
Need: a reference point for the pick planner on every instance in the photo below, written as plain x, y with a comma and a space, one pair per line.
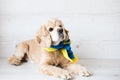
65, 48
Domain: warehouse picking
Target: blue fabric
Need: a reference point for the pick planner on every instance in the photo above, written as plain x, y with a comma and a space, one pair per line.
65, 46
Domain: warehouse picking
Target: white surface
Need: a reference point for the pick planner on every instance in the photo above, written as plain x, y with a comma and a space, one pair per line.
102, 69
94, 25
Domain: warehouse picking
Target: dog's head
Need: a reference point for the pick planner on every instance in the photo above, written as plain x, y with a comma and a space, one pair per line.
52, 33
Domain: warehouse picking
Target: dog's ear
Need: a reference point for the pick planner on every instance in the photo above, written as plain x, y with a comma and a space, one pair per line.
67, 35
43, 36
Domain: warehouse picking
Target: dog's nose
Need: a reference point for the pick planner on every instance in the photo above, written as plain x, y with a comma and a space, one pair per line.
60, 30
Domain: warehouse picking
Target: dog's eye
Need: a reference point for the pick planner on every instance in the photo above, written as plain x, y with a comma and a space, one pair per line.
60, 25
50, 29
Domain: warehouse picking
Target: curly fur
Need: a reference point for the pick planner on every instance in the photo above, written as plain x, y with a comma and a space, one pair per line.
53, 64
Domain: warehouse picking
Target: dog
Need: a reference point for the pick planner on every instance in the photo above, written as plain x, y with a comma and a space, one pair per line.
52, 63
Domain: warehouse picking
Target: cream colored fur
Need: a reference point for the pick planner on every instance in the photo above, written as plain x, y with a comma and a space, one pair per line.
53, 64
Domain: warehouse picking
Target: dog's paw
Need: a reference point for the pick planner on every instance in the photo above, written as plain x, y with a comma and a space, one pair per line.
14, 61
65, 75
84, 72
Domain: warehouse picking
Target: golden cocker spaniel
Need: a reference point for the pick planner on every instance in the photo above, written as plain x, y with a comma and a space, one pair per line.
51, 61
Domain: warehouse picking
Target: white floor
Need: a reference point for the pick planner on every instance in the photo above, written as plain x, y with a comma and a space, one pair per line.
101, 69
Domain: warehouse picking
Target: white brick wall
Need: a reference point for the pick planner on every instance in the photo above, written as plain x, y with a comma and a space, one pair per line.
94, 25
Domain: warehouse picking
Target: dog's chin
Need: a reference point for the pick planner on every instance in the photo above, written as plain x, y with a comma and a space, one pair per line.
61, 38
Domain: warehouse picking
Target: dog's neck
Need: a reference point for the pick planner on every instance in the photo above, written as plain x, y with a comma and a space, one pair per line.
55, 43
62, 45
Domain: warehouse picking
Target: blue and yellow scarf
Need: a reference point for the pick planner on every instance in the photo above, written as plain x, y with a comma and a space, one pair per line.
65, 48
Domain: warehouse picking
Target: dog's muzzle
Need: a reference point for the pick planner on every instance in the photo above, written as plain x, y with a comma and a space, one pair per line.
60, 32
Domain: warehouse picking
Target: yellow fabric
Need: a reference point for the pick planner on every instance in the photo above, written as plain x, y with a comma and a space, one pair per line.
50, 49
65, 54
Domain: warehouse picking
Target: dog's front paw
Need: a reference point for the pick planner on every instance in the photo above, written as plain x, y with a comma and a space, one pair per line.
65, 75
84, 72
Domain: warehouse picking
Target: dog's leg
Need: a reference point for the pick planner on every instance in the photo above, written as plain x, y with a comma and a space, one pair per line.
78, 69
20, 54
55, 71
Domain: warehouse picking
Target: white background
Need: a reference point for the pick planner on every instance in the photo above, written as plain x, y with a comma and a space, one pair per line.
94, 25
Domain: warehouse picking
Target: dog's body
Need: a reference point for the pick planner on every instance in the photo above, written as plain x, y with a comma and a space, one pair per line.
50, 63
